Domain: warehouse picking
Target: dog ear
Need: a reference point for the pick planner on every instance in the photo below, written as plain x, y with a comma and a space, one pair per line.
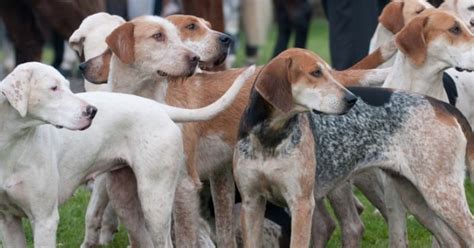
76, 42
96, 70
411, 40
16, 87
122, 42
392, 17
273, 84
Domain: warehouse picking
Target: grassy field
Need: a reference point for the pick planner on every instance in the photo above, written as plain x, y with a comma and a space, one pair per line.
71, 227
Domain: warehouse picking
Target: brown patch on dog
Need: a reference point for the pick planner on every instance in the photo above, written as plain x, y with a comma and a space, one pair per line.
411, 41
97, 69
190, 27
122, 42
274, 86
392, 17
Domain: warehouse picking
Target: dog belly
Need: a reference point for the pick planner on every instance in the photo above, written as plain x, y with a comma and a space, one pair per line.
213, 155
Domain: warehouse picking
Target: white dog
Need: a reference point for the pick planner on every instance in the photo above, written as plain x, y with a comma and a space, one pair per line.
42, 165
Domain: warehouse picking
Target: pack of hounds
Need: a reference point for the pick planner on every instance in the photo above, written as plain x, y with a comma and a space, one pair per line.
154, 123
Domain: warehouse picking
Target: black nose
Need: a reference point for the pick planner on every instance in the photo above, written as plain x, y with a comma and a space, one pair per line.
471, 22
194, 59
82, 66
225, 39
350, 98
90, 112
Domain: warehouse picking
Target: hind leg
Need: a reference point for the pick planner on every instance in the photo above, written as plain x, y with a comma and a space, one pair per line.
95, 210
13, 235
444, 194
415, 203
122, 190
186, 213
342, 201
223, 197
371, 186
323, 225
109, 225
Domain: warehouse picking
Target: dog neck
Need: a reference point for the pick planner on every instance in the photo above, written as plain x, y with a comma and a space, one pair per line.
425, 79
12, 125
125, 78
262, 115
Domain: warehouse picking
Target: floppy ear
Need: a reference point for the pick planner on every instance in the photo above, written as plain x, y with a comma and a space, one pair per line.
411, 40
16, 87
392, 17
273, 84
122, 42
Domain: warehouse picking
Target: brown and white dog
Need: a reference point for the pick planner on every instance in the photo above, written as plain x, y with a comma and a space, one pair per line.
274, 159
208, 146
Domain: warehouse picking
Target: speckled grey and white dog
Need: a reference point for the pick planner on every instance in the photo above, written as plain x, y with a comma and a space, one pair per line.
418, 139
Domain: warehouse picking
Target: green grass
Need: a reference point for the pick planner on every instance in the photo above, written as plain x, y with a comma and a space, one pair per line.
71, 226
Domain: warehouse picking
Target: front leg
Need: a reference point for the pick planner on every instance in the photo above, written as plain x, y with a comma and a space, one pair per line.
45, 225
251, 218
12, 232
223, 197
301, 215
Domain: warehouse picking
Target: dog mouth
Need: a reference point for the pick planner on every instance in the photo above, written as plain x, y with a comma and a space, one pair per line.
208, 65
460, 69
162, 73
59, 126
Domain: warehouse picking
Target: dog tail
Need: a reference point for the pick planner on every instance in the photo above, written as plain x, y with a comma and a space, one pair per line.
202, 114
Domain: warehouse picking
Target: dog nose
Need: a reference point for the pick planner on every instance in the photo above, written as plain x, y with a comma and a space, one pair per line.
90, 112
194, 59
82, 66
471, 22
225, 39
350, 98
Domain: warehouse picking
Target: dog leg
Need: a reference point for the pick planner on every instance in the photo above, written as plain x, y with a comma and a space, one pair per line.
323, 225
252, 218
446, 197
12, 232
415, 203
109, 225
45, 226
301, 212
223, 197
95, 211
371, 186
122, 191
396, 215
186, 213
342, 201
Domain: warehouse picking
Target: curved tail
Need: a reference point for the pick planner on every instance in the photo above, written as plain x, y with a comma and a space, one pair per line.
202, 114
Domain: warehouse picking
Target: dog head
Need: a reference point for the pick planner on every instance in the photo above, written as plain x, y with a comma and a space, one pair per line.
397, 13
196, 33
89, 39
299, 80
464, 9
438, 35
39, 92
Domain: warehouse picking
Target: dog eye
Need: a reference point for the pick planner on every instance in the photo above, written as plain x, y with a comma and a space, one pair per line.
317, 73
455, 30
418, 11
54, 88
191, 26
159, 37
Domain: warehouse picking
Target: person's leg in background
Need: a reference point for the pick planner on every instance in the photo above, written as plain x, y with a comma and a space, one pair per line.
284, 25
300, 14
232, 22
256, 18
351, 25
